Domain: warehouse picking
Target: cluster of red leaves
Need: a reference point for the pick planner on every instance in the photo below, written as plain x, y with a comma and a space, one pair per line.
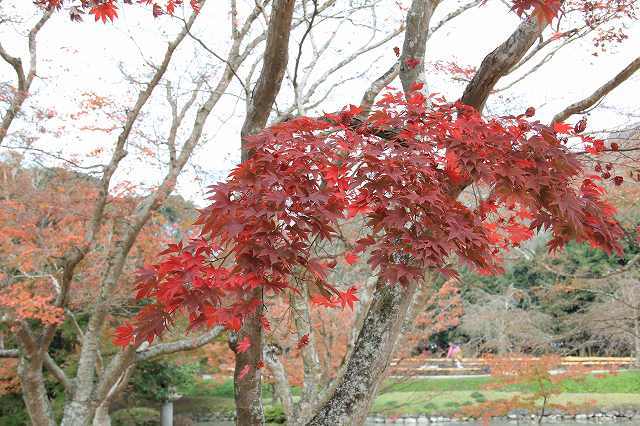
107, 10
403, 170
545, 10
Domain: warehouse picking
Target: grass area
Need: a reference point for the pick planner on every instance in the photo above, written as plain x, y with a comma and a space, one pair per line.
439, 395
623, 382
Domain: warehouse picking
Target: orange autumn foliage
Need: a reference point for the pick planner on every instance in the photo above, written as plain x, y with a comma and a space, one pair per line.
537, 380
9, 382
43, 213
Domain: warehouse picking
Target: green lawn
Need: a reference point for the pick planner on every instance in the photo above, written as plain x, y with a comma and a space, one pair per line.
439, 395
623, 382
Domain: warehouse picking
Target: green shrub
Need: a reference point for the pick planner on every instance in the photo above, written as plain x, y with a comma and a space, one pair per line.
478, 397
136, 416
274, 415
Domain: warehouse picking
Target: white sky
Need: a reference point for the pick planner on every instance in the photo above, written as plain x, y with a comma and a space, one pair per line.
83, 57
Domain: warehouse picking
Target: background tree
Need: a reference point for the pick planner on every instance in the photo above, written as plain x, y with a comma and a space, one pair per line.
506, 323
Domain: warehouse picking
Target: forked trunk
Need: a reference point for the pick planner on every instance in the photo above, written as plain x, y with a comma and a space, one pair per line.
366, 368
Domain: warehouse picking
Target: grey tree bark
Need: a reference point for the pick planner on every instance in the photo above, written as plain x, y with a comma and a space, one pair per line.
248, 383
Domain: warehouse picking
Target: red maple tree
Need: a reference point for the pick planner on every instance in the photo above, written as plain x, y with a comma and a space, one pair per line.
403, 169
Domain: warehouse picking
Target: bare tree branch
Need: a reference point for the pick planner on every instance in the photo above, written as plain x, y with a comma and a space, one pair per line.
24, 81
304, 36
180, 345
273, 68
57, 372
459, 11
415, 42
283, 391
600, 93
378, 85
498, 63
9, 353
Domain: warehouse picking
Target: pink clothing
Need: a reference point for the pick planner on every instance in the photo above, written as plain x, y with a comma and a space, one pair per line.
453, 350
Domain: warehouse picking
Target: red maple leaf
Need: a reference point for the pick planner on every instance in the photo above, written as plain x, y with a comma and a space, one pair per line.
321, 300
244, 372
348, 297
266, 325
304, 341
105, 10
561, 127
411, 63
518, 233
171, 7
244, 344
123, 335
350, 258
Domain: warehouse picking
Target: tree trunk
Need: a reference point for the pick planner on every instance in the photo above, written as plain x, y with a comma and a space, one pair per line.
351, 401
77, 413
34, 393
247, 378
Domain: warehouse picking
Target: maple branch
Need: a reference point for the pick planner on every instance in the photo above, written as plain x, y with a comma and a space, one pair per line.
273, 68
271, 358
24, 81
25, 337
16, 64
180, 345
415, 42
116, 259
538, 65
600, 93
55, 156
312, 373
304, 36
377, 86
346, 61
221, 59
177, 117
498, 63
459, 11
388, 76
113, 373
57, 372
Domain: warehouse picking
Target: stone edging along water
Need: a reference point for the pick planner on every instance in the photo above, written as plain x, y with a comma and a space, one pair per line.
601, 416
604, 416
